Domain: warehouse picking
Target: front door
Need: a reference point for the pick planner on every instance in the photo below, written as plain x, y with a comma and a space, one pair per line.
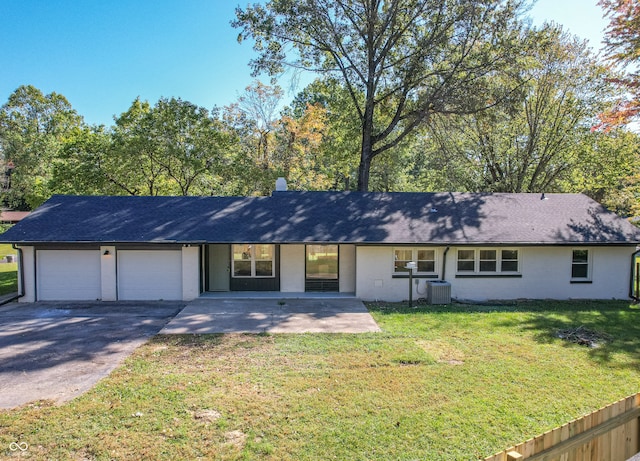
321, 268
219, 267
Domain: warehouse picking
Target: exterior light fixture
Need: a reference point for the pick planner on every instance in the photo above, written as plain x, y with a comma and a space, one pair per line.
106, 253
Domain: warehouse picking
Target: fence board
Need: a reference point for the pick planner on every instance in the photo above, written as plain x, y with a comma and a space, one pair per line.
632, 441
617, 434
605, 440
564, 430
597, 441
585, 450
611, 433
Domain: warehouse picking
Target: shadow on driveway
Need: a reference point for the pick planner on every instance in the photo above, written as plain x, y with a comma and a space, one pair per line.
57, 351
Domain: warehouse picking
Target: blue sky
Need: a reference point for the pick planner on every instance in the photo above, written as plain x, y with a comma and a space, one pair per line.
101, 55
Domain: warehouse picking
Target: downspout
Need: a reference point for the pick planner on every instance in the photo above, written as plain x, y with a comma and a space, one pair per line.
632, 282
444, 263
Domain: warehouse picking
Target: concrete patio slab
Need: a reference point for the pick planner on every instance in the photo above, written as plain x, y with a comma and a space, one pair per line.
322, 315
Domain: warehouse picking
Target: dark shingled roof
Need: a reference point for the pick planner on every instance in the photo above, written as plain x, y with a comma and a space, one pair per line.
296, 217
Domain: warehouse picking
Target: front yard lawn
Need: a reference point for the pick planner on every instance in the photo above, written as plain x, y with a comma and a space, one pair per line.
439, 383
8, 271
8, 278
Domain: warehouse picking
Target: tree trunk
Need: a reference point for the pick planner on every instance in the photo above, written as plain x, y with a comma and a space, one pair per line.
366, 152
363, 172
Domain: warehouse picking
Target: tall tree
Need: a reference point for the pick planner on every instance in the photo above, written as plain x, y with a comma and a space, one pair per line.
340, 145
528, 143
80, 167
132, 163
609, 170
401, 60
254, 121
189, 145
622, 47
299, 156
33, 127
260, 104
172, 148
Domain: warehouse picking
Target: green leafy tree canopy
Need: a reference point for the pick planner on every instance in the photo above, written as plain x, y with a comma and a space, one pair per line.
400, 60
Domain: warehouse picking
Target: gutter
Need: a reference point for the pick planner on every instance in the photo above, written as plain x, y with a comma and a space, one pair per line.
444, 263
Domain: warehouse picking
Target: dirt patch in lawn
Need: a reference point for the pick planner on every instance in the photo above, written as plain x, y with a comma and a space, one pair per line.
583, 336
442, 352
236, 438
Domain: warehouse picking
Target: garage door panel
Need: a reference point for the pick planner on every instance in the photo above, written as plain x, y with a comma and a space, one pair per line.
72, 275
149, 274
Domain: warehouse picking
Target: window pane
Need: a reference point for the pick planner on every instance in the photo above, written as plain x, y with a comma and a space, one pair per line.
487, 266
426, 266
466, 260
400, 266
401, 258
509, 266
509, 261
264, 269
426, 255
580, 256
241, 252
242, 268
403, 255
488, 261
264, 252
466, 266
580, 270
488, 254
322, 261
426, 260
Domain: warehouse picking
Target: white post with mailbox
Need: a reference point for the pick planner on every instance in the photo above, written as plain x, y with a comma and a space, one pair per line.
411, 265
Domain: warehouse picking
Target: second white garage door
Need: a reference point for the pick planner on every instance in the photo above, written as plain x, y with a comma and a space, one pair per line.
149, 274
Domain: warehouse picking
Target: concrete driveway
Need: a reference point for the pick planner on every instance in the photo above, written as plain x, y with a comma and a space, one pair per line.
57, 351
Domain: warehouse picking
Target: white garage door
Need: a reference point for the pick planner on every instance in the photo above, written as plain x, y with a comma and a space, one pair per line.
68, 275
149, 274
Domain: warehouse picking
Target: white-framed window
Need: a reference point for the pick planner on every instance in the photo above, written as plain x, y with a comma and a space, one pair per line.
466, 260
252, 260
488, 261
580, 264
425, 259
509, 261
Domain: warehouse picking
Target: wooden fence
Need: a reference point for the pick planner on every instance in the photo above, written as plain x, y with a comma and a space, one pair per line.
611, 433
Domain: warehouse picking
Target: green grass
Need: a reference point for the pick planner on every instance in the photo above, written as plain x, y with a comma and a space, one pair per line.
439, 383
6, 249
8, 278
8, 272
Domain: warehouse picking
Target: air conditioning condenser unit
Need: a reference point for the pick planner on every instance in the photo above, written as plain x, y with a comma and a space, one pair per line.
438, 292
